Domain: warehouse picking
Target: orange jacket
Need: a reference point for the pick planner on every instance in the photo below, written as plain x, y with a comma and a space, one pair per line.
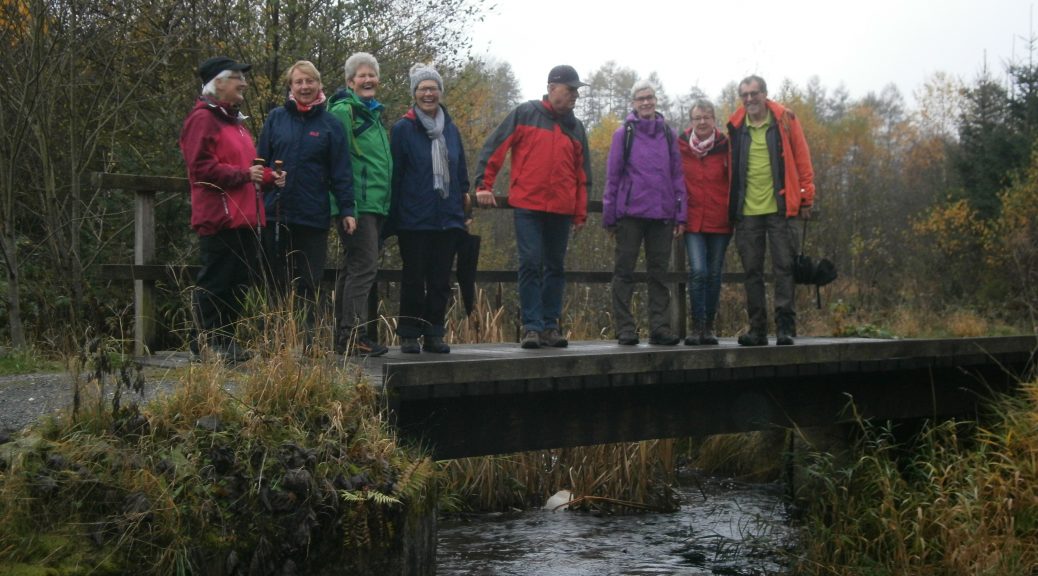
798, 184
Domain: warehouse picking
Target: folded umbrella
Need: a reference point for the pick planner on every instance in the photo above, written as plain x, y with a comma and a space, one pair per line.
468, 261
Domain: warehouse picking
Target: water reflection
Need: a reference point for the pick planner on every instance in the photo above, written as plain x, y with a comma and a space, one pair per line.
722, 528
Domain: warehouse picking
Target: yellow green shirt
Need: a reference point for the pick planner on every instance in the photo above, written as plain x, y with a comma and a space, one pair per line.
760, 187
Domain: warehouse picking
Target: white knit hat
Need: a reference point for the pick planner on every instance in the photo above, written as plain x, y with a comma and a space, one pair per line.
421, 72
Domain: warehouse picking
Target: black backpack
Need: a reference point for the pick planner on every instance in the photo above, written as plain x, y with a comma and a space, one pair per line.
807, 271
629, 138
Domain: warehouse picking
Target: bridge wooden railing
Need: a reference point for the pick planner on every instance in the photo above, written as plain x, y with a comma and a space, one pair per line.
146, 271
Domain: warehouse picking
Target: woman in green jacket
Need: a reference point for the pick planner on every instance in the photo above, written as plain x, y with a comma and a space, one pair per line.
361, 114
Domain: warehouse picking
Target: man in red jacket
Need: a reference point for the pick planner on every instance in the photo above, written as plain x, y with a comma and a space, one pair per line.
772, 182
551, 176
226, 206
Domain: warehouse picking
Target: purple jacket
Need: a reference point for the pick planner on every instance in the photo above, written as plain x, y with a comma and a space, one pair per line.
651, 185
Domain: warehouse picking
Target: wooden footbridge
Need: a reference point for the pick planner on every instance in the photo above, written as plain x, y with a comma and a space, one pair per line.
499, 398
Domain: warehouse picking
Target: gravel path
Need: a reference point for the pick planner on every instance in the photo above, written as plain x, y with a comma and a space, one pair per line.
26, 397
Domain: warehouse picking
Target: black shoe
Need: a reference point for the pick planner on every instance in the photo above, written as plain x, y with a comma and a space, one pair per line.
364, 346
707, 336
692, 340
552, 338
783, 339
531, 340
410, 346
753, 339
664, 338
436, 345
627, 339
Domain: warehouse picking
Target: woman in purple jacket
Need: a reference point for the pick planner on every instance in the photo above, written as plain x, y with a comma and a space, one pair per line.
644, 202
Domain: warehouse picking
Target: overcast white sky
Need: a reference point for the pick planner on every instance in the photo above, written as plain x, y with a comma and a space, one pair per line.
862, 45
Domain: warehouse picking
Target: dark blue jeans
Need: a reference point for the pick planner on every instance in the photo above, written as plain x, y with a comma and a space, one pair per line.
541, 238
705, 266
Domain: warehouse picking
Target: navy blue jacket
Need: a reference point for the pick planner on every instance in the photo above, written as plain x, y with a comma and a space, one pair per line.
415, 205
313, 147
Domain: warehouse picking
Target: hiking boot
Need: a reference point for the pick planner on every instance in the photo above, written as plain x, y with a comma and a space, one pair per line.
531, 340
695, 335
706, 335
627, 339
784, 332
364, 346
410, 346
664, 337
753, 339
436, 345
342, 340
552, 338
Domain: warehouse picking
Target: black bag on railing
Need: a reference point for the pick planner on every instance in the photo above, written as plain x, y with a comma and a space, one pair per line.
807, 271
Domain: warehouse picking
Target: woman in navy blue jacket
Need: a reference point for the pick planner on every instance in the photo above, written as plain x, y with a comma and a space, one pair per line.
426, 210
312, 145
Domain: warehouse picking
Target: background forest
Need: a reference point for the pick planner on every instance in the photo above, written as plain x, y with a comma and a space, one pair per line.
930, 213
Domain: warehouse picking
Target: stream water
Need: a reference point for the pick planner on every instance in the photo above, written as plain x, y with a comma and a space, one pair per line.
722, 528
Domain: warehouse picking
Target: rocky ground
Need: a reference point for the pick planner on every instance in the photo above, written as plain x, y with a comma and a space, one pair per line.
25, 398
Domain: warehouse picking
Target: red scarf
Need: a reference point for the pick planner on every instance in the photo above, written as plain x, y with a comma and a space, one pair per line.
304, 108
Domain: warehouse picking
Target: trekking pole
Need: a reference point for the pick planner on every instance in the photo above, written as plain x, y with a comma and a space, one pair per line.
278, 164
259, 195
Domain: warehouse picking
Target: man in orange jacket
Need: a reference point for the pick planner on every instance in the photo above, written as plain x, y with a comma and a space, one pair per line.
772, 182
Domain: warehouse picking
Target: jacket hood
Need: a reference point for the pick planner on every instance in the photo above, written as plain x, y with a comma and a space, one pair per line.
347, 96
410, 114
777, 110
219, 110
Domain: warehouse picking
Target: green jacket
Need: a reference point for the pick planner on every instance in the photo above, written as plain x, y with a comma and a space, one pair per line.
369, 149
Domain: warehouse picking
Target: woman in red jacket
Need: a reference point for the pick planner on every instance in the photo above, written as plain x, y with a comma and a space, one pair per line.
226, 205
704, 159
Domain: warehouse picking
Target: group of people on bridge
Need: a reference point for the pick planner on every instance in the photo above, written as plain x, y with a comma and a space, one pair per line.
265, 212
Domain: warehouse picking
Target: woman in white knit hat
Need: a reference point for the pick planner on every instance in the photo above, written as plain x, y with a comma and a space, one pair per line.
426, 210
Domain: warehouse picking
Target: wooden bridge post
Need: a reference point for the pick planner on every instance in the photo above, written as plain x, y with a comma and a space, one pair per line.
679, 300
143, 254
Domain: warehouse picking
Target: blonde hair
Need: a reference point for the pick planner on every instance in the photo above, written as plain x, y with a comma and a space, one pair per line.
306, 67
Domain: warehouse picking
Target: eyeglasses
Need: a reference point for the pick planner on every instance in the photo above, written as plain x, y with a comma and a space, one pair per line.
648, 98
427, 90
750, 94
702, 118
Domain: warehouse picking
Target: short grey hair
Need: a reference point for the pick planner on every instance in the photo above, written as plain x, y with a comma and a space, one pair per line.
210, 88
702, 104
643, 85
754, 78
358, 59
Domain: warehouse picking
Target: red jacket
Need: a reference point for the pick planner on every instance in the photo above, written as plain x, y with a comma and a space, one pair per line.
551, 161
798, 184
706, 180
218, 151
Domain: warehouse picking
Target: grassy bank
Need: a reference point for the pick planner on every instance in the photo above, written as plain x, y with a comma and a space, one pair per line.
959, 499
285, 463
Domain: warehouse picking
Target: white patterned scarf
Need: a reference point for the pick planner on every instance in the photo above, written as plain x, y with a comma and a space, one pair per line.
702, 147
